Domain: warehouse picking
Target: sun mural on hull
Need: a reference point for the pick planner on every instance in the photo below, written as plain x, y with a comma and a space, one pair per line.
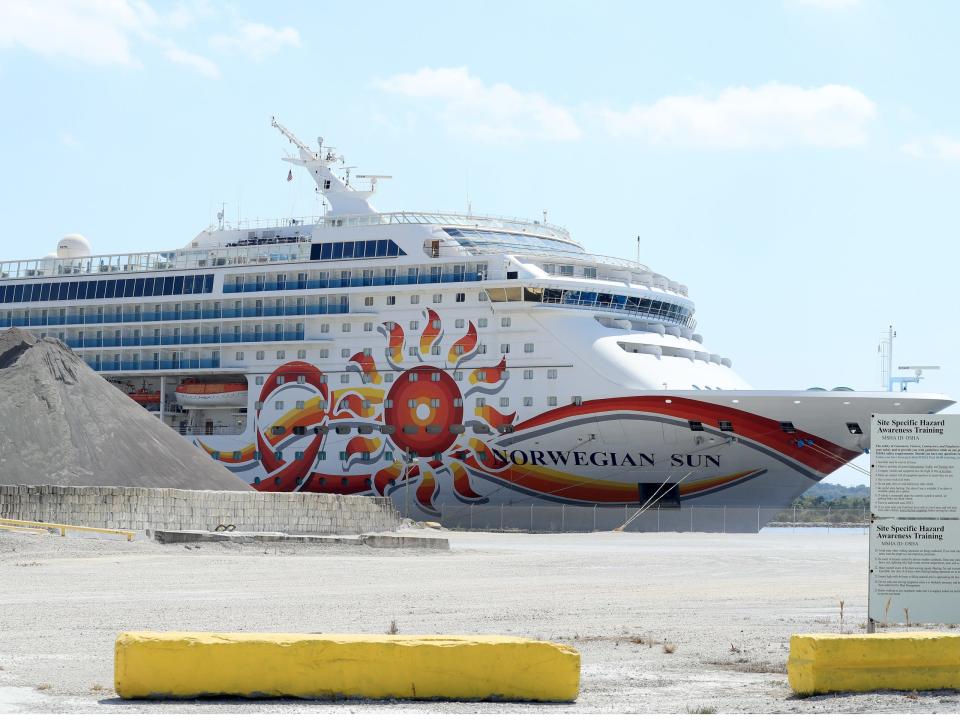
414, 433
419, 421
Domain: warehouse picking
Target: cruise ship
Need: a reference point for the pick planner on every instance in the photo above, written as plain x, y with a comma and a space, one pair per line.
449, 361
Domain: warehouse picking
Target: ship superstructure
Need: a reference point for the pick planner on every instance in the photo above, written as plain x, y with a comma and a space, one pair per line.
462, 359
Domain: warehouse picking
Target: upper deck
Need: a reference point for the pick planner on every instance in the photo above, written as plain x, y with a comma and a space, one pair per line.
269, 242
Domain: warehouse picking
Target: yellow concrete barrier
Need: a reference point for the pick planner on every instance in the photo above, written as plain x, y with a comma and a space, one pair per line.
185, 664
826, 663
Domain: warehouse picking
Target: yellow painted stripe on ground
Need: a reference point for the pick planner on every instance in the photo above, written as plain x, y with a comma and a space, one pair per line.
826, 663
129, 534
188, 664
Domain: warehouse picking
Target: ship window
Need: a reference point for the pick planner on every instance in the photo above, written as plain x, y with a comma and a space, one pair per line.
414, 324
505, 428
528, 347
696, 425
854, 428
504, 348
787, 427
434, 429
410, 429
461, 297
576, 400
343, 430
726, 426
505, 322
278, 405
528, 401
277, 429
299, 430
391, 299
481, 402
504, 402
552, 400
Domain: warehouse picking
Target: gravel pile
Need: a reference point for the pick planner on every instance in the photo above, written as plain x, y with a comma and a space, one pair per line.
62, 424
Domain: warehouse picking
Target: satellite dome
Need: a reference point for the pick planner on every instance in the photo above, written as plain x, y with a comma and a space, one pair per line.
73, 246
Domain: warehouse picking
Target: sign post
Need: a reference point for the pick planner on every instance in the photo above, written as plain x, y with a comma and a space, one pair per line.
915, 520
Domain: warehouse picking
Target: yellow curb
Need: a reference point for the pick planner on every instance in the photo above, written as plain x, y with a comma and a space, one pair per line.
826, 663
489, 667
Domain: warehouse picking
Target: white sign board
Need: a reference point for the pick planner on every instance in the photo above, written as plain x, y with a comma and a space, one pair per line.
915, 526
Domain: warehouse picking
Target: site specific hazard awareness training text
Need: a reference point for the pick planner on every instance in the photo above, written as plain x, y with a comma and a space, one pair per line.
915, 526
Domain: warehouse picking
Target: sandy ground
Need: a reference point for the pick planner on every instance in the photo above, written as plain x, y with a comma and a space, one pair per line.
724, 606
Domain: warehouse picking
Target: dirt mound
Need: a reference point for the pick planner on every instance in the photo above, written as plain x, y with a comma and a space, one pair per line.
62, 424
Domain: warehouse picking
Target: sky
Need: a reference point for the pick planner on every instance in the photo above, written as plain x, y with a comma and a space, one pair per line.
795, 163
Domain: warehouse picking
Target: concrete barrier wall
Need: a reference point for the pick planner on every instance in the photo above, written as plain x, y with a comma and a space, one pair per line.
170, 509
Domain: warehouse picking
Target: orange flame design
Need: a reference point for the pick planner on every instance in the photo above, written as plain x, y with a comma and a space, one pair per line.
467, 344
493, 417
431, 333
394, 351
367, 366
493, 374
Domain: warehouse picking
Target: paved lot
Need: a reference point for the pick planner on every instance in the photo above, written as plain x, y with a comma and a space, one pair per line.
725, 605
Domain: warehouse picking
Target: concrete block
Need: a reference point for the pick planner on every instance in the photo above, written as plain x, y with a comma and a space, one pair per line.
171, 664
827, 663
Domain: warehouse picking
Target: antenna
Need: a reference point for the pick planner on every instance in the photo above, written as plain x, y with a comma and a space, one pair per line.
638, 249
220, 214
886, 365
348, 168
373, 179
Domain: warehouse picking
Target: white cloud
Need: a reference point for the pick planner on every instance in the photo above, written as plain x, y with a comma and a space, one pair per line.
256, 40
497, 112
110, 32
934, 146
768, 116
95, 31
202, 65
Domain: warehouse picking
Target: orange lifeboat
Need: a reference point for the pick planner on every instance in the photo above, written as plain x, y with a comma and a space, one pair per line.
194, 393
145, 396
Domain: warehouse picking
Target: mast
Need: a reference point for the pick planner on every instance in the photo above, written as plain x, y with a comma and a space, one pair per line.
343, 199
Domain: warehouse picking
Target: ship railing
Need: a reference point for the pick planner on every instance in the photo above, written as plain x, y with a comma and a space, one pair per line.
533, 227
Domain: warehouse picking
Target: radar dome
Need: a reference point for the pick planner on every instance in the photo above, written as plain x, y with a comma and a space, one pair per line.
73, 246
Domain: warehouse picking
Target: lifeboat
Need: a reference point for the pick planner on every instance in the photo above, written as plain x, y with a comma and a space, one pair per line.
145, 396
199, 394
